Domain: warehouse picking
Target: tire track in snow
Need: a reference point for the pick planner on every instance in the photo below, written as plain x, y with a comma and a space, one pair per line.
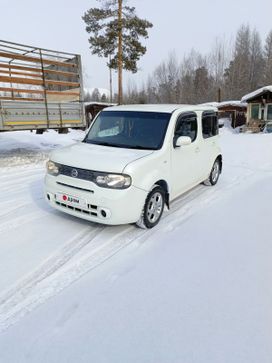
17, 294
19, 185
21, 220
56, 273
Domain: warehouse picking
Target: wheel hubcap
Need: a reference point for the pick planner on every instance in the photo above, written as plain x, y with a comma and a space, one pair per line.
215, 172
154, 207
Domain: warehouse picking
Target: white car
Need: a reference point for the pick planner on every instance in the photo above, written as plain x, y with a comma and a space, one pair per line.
133, 161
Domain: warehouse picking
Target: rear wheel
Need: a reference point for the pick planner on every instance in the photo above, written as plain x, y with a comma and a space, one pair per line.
153, 208
214, 174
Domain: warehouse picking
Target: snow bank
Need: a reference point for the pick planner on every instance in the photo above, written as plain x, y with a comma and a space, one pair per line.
25, 147
197, 288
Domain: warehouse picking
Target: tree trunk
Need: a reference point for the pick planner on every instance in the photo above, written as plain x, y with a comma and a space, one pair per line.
120, 55
110, 70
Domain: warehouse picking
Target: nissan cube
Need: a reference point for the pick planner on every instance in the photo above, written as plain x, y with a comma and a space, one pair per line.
133, 162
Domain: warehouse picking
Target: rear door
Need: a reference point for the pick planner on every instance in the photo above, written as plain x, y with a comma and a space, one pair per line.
209, 144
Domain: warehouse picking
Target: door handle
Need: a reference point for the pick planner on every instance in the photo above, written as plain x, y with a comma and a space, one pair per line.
197, 149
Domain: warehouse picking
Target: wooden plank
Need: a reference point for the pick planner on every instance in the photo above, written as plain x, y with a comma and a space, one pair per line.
62, 83
21, 99
21, 74
22, 90
37, 82
12, 66
39, 122
63, 93
61, 73
39, 91
38, 70
28, 58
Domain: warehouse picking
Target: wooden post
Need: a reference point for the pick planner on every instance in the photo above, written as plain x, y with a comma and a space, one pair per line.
45, 89
120, 54
219, 95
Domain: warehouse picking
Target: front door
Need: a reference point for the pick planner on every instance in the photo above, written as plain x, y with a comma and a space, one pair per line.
185, 159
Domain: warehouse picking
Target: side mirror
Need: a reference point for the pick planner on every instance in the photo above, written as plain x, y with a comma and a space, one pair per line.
182, 141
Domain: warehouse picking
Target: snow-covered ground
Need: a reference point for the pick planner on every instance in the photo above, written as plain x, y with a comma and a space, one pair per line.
197, 288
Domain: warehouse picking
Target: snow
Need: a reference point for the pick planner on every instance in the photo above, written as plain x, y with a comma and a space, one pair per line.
24, 147
233, 103
225, 103
258, 92
196, 289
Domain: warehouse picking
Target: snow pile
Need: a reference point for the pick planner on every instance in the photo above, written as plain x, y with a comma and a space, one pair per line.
25, 147
225, 103
197, 288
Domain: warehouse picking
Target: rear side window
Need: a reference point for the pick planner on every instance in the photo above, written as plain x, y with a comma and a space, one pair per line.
209, 125
187, 126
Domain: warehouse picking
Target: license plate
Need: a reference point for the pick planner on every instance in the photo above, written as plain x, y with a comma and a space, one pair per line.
71, 200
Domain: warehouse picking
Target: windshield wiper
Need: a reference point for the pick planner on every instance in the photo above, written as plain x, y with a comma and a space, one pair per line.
140, 147
103, 143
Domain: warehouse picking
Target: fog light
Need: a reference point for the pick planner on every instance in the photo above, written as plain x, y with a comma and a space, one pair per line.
103, 213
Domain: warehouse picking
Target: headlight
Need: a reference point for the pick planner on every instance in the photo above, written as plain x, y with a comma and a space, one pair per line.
114, 181
52, 168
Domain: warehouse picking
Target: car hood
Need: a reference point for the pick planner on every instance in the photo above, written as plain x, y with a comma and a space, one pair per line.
97, 157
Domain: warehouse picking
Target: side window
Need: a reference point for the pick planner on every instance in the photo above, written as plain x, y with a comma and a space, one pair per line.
269, 112
209, 125
255, 111
187, 126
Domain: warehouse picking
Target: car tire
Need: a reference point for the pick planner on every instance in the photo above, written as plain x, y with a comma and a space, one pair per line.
153, 208
214, 174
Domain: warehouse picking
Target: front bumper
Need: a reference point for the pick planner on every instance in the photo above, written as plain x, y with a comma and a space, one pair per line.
106, 206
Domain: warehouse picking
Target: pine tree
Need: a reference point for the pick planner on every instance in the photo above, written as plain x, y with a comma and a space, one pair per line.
104, 98
115, 31
96, 95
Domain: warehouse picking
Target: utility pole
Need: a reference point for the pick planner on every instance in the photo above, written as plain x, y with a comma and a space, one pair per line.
120, 54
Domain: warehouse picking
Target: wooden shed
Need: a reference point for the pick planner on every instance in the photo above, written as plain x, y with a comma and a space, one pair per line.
93, 108
259, 110
234, 110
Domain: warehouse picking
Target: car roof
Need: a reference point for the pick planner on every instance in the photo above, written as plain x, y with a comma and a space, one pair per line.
167, 108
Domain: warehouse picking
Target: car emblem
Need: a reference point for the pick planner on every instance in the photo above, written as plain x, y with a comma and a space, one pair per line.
74, 173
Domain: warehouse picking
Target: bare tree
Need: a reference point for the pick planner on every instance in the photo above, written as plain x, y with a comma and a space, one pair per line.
268, 60
256, 61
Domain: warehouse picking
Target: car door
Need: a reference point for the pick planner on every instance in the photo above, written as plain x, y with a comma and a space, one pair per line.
185, 159
208, 144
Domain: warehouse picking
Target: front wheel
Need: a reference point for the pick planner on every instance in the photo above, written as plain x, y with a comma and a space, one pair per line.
153, 208
214, 174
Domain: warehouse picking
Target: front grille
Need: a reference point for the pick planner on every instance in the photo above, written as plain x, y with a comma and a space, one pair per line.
74, 187
92, 212
77, 172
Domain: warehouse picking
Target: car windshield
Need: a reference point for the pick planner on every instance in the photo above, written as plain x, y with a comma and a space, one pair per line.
129, 129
